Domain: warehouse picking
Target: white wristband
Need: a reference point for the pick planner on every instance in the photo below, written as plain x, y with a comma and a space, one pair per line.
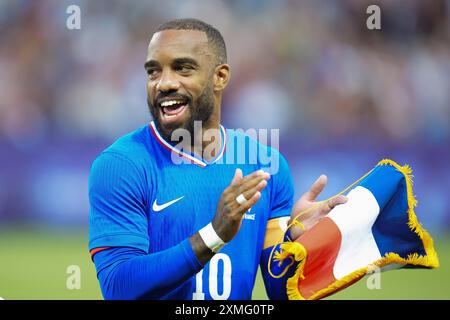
211, 239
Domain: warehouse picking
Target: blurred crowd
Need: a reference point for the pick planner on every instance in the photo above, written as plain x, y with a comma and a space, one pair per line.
310, 68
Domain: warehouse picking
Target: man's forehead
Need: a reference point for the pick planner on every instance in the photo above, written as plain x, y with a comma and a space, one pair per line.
186, 41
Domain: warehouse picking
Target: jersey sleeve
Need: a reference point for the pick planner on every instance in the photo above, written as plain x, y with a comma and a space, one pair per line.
127, 273
282, 199
119, 235
282, 195
117, 196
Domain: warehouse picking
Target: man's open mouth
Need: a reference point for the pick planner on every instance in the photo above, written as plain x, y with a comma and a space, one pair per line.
172, 108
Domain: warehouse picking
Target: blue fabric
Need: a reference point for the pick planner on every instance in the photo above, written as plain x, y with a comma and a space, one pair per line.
128, 273
151, 256
391, 230
276, 288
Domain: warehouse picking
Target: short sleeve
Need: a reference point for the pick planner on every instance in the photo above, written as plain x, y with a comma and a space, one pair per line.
117, 197
282, 195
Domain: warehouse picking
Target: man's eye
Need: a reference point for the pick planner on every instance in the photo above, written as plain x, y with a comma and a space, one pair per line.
184, 68
152, 72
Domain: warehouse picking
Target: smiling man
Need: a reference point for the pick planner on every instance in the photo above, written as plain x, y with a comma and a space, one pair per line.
197, 229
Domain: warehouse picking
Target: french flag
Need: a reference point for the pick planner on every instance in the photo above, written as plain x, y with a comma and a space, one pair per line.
375, 228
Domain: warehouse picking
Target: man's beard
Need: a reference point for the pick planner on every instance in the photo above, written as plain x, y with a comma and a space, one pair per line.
202, 111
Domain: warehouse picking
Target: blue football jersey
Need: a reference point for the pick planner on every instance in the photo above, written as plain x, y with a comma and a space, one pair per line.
156, 204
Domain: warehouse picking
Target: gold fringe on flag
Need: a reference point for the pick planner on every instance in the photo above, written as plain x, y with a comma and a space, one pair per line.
298, 253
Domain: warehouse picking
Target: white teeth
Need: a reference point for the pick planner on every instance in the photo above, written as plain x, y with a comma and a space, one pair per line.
169, 103
178, 111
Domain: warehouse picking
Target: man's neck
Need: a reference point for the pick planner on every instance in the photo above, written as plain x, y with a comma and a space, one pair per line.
207, 143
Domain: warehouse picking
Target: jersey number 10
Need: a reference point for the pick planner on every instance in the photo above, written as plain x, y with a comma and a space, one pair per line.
213, 271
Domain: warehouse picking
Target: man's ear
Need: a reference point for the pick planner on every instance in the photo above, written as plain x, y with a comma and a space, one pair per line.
221, 77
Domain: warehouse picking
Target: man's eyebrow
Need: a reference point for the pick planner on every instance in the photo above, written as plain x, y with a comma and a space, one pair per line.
151, 63
185, 60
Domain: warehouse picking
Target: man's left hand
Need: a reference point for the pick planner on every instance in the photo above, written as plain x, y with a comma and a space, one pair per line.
308, 200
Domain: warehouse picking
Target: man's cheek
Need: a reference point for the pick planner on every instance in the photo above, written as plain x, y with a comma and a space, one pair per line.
151, 90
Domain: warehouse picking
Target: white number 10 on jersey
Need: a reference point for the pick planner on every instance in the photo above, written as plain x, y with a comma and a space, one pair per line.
213, 271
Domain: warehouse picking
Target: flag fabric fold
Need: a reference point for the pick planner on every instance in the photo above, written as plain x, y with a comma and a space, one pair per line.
376, 228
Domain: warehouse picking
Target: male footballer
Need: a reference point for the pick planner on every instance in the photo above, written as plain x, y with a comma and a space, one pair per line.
161, 228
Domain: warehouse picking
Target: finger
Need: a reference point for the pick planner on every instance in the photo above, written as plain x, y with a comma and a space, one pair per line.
237, 176
249, 188
336, 201
255, 175
316, 188
250, 203
248, 194
248, 182
238, 180
252, 180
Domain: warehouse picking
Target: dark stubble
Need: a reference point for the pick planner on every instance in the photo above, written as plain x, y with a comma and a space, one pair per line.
202, 111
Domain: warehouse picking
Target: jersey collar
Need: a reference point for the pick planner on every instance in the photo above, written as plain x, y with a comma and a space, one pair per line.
190, 156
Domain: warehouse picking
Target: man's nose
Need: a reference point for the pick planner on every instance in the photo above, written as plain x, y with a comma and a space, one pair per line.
167, 82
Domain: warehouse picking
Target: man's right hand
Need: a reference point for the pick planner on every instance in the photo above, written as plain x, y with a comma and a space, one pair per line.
229, 213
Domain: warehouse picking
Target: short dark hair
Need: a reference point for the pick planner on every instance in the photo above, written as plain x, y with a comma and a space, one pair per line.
214, 36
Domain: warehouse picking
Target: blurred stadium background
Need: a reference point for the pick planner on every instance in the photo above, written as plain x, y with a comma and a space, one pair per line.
343, 97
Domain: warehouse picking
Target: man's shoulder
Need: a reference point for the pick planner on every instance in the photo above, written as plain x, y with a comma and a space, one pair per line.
251, 136
134, 146
253, 143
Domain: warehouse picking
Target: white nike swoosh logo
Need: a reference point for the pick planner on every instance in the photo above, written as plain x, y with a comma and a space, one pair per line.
157, 207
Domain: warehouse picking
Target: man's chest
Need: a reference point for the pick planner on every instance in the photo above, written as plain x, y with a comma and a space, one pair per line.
182, 202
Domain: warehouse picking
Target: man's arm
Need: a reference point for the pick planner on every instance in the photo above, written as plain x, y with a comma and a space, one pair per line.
281, 203
129, 273
276, 287
119, 222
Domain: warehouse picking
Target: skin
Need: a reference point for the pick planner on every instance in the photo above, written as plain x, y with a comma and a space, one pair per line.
181, 63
